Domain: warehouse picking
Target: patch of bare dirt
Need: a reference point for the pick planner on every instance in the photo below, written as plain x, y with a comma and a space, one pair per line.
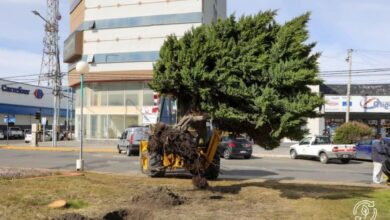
119, 214
71, 216
161, 197
19, 173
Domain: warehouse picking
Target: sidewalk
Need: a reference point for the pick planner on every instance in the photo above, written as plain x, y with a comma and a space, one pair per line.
281, 152
65, 146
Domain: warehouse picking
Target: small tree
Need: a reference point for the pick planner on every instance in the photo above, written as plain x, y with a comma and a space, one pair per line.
351, 132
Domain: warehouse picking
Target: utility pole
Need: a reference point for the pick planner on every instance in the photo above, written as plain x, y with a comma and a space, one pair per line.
50, 66
349, 60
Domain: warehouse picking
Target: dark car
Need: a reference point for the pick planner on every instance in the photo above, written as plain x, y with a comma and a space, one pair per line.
231, 147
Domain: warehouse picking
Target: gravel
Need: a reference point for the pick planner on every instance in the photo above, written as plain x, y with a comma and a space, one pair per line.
19, 173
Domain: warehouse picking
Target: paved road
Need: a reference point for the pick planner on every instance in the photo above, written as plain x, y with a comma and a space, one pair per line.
268, 168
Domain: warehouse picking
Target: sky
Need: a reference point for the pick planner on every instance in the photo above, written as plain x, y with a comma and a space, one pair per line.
335, 25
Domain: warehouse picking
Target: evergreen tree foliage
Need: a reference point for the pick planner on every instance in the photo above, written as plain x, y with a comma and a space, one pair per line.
251, 75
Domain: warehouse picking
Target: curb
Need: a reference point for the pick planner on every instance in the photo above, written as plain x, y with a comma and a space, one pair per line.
59, 149
271, 155
324, 183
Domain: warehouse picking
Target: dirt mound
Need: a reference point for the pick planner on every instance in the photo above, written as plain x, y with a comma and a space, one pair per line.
71, 216
117, 215
132, 213
159, 197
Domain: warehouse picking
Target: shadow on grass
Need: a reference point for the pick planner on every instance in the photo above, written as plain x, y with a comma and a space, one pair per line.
297, 191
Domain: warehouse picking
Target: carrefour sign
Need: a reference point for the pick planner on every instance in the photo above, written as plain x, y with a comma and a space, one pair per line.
379, 104
18, 90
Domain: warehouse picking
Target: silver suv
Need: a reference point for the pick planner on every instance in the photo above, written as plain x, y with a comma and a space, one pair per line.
130, 139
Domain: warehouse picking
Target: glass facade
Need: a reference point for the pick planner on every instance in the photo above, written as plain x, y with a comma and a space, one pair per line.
111, 107
194, 17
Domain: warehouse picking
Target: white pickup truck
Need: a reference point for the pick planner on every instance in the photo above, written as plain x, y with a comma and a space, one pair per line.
15, 132
322, 148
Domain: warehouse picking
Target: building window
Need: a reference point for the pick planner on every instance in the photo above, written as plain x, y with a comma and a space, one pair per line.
132, 99
115, 99
148, 98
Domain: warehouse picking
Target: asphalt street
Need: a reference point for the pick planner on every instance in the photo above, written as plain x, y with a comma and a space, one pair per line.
265, 168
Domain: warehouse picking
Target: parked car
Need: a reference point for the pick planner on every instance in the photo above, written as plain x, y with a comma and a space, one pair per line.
322, 148
26, 131
15, 133
27, 136
2, 136
364, 148
231, 147
130, 139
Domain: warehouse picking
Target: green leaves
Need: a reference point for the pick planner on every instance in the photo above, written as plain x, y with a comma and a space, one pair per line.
251, 75
350, 133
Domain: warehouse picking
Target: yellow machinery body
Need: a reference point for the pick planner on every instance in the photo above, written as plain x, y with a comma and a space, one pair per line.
172, 162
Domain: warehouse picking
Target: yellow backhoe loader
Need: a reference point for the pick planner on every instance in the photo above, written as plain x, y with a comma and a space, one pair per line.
157, 164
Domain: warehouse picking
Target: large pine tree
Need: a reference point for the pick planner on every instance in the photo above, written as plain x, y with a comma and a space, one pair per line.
250, 75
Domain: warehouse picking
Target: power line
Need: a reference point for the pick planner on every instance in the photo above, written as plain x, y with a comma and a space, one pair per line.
373, 51
356, 70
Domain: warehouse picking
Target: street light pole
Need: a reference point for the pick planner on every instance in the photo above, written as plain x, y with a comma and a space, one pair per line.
52, 27
349, 59
81, 67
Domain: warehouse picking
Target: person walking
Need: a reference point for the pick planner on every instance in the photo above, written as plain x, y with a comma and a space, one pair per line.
378, 157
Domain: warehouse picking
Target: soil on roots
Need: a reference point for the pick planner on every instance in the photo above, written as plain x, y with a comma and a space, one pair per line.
171, 140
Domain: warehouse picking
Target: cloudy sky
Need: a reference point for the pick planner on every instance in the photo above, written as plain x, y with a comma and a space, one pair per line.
335, 25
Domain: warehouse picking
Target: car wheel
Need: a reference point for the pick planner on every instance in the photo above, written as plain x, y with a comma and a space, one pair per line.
293, 154
324, 158
226, 154
247, 156
119, 149
345, 161
128, 152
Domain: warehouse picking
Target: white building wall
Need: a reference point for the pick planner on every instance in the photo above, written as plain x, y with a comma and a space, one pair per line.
104, 67
133, 8
149, 38
316, 126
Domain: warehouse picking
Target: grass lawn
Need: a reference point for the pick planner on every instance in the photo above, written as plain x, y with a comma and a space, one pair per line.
95, 195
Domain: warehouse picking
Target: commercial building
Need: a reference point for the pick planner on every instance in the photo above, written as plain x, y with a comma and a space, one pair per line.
369, 104
121, 39
19, 102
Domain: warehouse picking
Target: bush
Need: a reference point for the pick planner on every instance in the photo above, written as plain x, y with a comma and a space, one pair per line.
351, 132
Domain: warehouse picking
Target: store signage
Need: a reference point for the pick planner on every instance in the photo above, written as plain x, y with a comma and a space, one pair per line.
38, 93
18, 90
9, 119
378, 104
375, 103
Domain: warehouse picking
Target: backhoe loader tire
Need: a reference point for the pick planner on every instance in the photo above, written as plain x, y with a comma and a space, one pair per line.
212, 171
155, 167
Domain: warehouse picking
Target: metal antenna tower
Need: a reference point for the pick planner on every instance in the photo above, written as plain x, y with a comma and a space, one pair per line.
50, 66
